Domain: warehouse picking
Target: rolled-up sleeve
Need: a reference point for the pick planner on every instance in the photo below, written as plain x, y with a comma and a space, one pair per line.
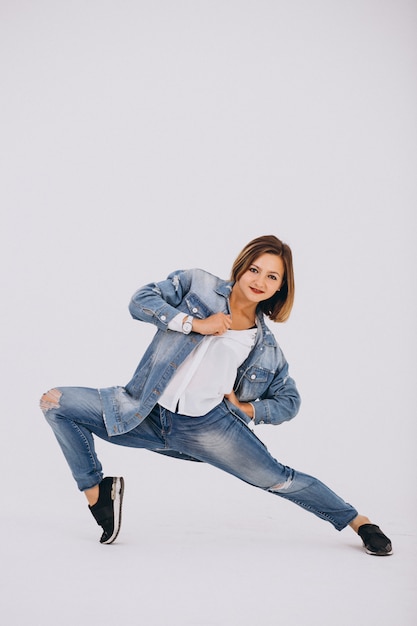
280, 403
156, 303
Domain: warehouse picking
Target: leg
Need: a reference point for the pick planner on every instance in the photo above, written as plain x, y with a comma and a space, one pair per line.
224, 441
75, 414
358, 522
221, 439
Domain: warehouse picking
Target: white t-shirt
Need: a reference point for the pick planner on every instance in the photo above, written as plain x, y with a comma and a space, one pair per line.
208, 373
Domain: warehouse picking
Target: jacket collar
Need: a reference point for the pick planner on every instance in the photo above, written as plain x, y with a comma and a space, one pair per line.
224, 288
267, 337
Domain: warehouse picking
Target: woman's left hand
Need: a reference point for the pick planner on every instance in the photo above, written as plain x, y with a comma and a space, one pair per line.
246, 407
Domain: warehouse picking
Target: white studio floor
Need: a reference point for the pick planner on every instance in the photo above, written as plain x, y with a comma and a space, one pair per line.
220, 555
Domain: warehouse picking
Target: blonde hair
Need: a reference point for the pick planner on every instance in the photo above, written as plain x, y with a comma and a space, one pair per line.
277, 308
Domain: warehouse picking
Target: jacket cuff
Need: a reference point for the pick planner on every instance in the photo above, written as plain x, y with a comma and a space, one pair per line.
260, 413
163, 317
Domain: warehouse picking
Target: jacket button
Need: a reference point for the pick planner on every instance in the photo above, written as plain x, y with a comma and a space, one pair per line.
262, 422
163, 318
253, 376
195, 310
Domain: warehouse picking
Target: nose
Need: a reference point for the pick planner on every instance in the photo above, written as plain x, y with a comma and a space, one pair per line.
259, 283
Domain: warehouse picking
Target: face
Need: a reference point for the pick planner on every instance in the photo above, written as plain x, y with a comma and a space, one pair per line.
262, 279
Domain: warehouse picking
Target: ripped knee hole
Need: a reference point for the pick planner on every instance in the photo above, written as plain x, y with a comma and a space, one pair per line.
276, 487
280, 486
50, 400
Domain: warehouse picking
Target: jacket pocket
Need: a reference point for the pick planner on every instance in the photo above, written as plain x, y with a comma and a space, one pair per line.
196, 307
254, 383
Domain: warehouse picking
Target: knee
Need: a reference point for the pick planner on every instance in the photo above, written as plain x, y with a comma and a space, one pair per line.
284, 486
50, 400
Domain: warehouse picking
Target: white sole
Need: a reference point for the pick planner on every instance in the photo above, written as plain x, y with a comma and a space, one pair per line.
375, 554
117, 497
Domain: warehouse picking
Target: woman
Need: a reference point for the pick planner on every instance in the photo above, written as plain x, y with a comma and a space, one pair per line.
212, 368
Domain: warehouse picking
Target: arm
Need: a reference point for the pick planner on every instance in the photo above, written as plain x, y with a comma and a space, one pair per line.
215, 324
277, 403
281, 401
157, 304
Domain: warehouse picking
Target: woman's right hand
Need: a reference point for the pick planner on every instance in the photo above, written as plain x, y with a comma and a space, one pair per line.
216, 324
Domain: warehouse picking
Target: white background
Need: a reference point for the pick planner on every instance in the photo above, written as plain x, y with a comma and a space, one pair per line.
142, 137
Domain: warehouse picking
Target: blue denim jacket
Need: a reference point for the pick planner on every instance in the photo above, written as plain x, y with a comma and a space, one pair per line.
262, 378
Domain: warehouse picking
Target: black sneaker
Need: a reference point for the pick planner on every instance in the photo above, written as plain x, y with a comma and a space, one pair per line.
374, 540
107, 511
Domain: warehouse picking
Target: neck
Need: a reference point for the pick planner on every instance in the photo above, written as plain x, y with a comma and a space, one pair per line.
241, 308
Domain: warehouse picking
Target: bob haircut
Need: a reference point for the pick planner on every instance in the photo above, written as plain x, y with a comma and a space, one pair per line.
277, 308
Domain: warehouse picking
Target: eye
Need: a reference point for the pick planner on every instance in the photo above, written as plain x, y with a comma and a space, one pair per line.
253, 270
273, 277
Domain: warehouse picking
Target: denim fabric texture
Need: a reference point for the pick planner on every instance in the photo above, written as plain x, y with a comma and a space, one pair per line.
219, 438
263, 378
131, 416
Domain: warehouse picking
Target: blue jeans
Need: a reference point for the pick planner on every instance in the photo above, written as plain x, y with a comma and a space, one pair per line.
219, 438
